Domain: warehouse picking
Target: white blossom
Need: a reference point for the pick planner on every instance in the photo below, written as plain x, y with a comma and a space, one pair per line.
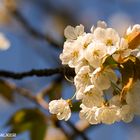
104, 114
72, 33
89, 114
109, 37
92, 96
81, 64
110, 114
101, 24
85, 40
103, 78
82, 80
94, 54
99, 88
122, 51
71, 54
60, 108
4, 42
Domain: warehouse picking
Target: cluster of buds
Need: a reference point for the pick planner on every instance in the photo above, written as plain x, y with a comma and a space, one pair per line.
107, 78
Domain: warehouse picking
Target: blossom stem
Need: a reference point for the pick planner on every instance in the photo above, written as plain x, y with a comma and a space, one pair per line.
73, 97
115, 86
27, 94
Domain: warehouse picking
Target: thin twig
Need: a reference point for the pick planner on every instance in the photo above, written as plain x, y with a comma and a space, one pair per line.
16, 13
43, 104
27, 94
45, 91
43, 72
64, 14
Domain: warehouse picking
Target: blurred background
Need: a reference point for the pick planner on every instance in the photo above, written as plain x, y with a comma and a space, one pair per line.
35, 30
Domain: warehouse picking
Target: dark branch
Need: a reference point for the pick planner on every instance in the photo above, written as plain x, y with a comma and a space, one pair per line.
76, 131
39, 73
16, 13
25, 93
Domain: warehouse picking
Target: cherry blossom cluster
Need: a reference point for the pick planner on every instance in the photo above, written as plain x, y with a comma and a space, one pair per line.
96, 58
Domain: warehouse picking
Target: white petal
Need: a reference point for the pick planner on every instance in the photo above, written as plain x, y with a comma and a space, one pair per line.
79, 30
72, 33
126, 114
101, 24
92, 29
99, 34
69, 33
4, 43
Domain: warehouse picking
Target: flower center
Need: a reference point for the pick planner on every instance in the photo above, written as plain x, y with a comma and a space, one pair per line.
96, 53
109, 42
85, 45
75, 54
86, 76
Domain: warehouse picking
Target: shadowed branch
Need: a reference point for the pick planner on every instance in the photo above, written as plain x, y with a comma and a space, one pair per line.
39, 73
16, 13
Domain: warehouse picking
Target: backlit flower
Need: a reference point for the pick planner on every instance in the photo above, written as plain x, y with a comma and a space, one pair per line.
60, 108
109, 37
103, 78
72, 33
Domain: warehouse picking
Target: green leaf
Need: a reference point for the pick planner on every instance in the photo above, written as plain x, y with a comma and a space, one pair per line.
109, 61
22, 127
38, 131
31, 120
55, 92
6, 91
